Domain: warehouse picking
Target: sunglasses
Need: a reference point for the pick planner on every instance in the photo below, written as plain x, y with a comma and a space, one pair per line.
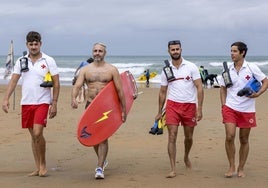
174, 42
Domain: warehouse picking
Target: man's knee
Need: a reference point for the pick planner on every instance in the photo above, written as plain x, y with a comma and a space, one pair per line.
243, 140
230, 138
188, 138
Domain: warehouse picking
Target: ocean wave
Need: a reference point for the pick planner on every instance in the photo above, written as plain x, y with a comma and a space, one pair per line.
132, 65
66, 70
137, 64
219, 64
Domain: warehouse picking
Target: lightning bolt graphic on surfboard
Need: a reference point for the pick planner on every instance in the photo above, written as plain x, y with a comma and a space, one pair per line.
104, 117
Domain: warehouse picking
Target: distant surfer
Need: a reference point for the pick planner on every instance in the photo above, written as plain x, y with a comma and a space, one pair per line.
147, 75
96, 76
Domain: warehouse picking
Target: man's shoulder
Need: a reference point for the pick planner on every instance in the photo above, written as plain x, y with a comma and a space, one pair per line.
47, 57
185, 61
251, 64
190, 64
110, 66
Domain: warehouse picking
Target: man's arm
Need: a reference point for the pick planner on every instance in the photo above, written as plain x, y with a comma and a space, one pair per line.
56, 87
121, 95
200, 98
11, 87
76, 87
56, 90
223, 95
161, 101
264, 87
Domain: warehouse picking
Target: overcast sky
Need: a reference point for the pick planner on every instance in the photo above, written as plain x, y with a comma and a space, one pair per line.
136, 27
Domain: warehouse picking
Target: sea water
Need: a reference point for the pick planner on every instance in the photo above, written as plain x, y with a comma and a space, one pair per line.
138, 64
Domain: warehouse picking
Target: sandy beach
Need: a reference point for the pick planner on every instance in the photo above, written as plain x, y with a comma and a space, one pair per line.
136, 158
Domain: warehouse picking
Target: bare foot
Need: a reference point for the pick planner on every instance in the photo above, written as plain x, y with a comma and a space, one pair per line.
241, 174
230, 173
43, 173
34, 173
188, 163
171, 175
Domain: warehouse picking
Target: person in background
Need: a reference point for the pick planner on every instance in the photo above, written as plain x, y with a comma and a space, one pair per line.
184, 94
36, 102
212, 79
239, 112
147, 75
205, 76
96, 76
83, 89
82, 64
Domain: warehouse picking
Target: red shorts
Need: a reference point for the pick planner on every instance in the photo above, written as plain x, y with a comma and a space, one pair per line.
240, 119
34, 114
183, 113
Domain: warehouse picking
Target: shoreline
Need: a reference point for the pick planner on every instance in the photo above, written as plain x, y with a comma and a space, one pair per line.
140, 84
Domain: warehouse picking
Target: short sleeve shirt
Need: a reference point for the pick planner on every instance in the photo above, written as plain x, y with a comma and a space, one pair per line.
182, 89
32, 93
240, 79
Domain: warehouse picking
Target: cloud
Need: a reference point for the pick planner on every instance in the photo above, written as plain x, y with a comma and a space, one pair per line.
135, 26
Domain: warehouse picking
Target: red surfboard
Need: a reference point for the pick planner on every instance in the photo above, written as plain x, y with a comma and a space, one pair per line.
103, 116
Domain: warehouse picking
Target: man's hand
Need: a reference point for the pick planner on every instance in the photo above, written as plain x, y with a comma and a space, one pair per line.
74, 104
52, 110
124, 116
5, 106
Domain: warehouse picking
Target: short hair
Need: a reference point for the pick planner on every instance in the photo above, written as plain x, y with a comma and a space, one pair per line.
100, 43
241, 47
33, 36
174, 42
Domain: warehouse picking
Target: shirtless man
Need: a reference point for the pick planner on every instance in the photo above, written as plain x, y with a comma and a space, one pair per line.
96, 76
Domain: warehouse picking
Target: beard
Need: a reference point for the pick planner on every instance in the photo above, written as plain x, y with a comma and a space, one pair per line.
98, 59
176, 57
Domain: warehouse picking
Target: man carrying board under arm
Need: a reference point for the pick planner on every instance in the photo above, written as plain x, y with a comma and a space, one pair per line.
96, 76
